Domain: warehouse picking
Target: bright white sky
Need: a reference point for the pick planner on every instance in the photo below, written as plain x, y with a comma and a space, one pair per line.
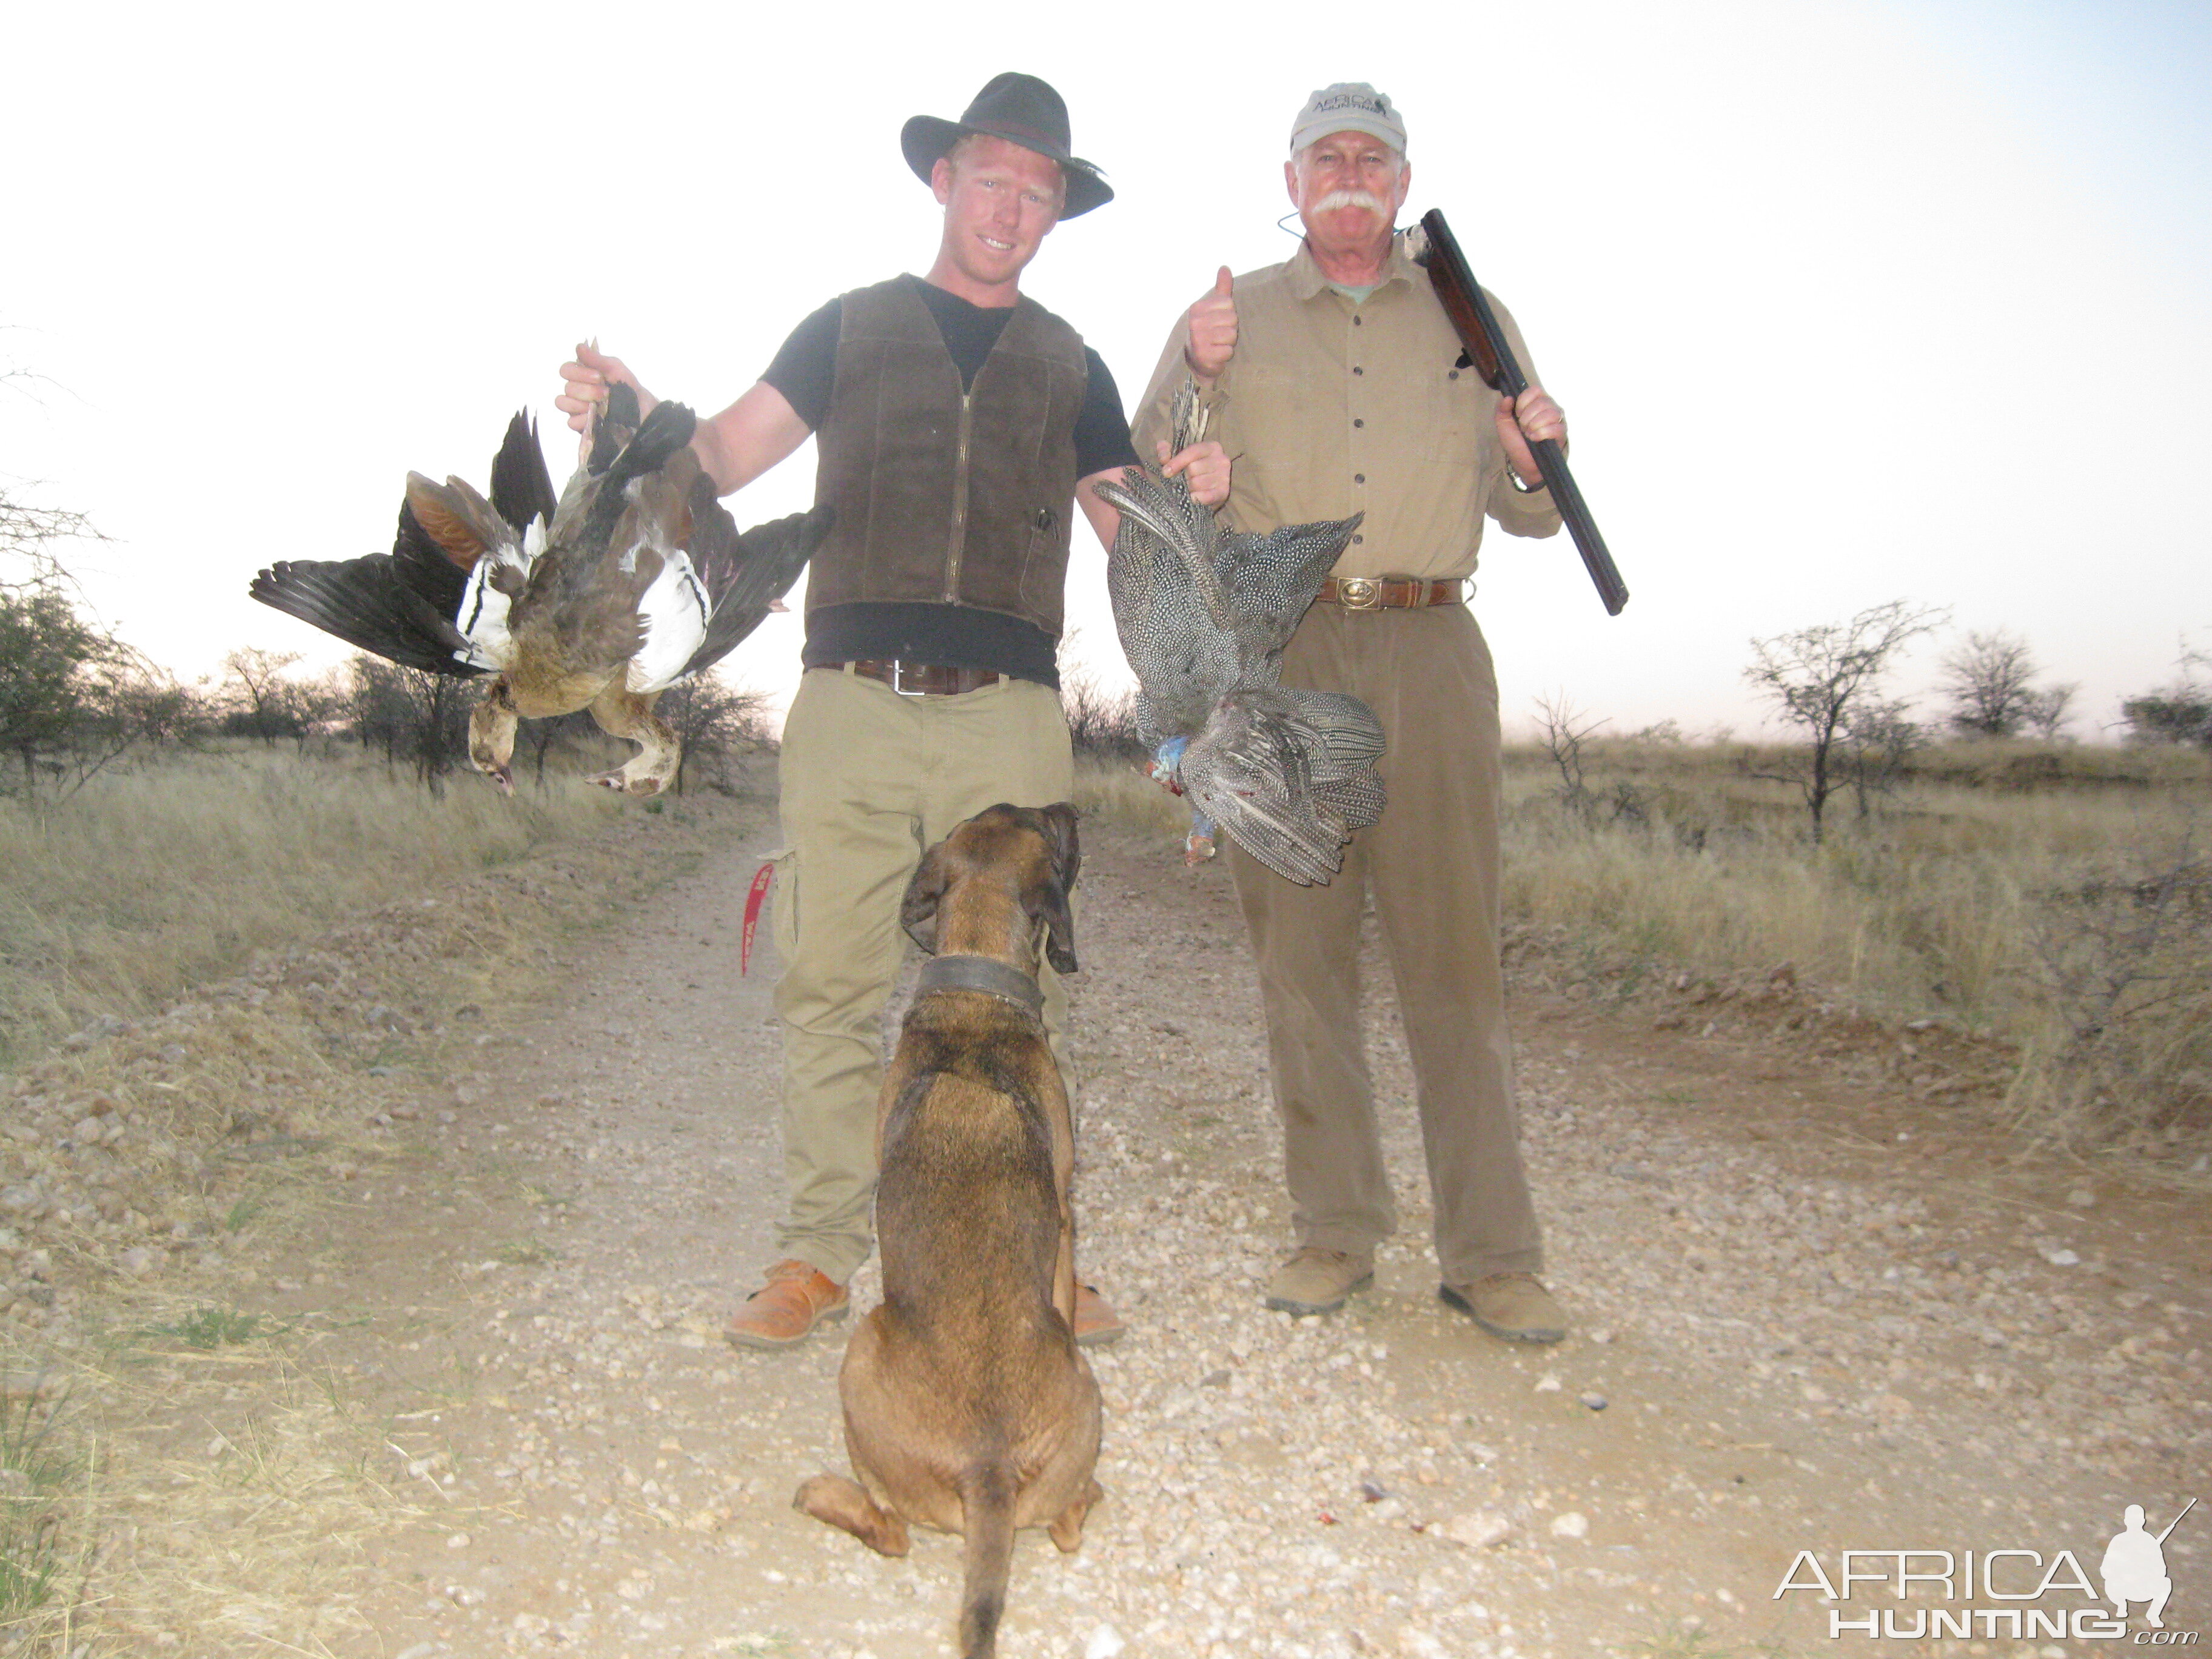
1846, 301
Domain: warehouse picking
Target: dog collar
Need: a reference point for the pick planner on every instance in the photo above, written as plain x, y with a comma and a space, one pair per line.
984, 974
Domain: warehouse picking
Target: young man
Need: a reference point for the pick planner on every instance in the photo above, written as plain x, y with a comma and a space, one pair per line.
959, 426
1334, 382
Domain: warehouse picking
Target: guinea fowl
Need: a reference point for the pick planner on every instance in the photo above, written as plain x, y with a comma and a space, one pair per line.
634, 578
1203, 615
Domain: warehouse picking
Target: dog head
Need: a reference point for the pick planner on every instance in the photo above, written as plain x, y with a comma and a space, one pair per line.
1030, 850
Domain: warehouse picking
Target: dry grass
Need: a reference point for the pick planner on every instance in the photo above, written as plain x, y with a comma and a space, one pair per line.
151, 881
192, 1481
2057, 901
199, 1526
1116, 789
2043, 898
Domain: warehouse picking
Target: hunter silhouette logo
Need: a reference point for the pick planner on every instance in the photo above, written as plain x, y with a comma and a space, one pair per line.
2134, 1567
2023, 1595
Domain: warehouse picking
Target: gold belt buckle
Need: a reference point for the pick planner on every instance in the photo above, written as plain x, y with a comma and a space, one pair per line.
1358, 592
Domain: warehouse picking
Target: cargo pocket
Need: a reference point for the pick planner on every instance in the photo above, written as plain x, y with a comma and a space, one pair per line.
780, 890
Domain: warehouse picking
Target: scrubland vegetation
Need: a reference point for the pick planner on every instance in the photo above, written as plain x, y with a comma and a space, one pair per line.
2057, 899
2054, 898
156, 877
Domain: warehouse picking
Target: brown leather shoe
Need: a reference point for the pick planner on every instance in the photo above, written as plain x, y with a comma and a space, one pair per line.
1514, 1306
797, 1296
1095, 1322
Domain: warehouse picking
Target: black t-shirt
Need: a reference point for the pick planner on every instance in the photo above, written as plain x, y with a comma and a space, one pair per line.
806, 372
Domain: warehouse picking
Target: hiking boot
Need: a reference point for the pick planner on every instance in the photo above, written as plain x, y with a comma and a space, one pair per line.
1316, 1281
1095, 1322
797, 1296
1514, 1306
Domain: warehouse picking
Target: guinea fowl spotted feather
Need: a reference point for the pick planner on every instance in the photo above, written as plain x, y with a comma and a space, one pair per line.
1203, 615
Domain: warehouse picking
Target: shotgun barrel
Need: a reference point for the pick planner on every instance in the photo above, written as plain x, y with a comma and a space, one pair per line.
1435, 247
2176, 1522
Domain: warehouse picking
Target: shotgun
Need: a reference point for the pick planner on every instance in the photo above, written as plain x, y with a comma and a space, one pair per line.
1432, 245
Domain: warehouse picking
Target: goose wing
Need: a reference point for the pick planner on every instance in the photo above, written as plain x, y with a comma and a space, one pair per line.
745, 572
400, 605
521, 488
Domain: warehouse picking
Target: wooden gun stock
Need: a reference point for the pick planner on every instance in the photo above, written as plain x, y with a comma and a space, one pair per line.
1434, 246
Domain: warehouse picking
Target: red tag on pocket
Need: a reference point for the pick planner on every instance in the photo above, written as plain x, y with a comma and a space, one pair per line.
762, 877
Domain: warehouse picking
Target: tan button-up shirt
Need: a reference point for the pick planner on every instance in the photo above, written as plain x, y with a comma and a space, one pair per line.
1330, 408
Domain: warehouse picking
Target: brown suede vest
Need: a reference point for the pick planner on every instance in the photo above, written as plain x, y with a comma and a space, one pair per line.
940, 497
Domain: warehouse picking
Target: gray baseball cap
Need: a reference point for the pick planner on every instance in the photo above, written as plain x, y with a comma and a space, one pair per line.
1348, 106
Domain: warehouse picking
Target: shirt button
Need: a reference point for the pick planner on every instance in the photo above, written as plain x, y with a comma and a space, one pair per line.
1359, 478
1454, 376
1359, 423
1356, 540
1355, 322
1356, 369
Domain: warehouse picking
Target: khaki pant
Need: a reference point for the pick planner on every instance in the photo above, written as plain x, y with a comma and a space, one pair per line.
870, 779
1432, 865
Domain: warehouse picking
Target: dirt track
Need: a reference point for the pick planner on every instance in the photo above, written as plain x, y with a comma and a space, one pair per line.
1808, 1317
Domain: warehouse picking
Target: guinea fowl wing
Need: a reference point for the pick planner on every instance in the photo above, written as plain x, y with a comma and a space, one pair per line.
1249, 772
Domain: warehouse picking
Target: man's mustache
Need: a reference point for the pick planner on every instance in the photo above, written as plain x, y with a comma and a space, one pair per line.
1353, 198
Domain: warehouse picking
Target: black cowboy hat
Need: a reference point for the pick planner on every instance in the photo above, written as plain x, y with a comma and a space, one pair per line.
1025, 111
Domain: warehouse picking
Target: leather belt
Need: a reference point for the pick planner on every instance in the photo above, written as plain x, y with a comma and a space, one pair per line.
1391, 593
926, 679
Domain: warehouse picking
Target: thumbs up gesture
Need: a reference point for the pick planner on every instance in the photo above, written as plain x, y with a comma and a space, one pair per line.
1210, 338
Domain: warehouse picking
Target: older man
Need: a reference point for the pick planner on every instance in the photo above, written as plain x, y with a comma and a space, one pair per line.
959, 424
1334, 379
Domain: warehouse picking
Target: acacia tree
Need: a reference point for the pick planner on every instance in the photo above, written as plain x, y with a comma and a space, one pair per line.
378, 707
160, 709
63, 680
410, 713
710, 719
1101, 724
438, 727
1821, 678
2180, 712
1877, 738
1565, 729
29, 531
538, 736
45, 651
264, 695
2048, 707
314, 705
1987, 681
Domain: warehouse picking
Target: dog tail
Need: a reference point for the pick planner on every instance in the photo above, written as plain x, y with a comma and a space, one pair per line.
987, 1504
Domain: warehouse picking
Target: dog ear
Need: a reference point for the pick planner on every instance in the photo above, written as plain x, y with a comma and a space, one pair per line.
1049, 902
917, 909
1067, 852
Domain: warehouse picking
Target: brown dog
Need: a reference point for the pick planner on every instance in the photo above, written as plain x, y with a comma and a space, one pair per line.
968, 1405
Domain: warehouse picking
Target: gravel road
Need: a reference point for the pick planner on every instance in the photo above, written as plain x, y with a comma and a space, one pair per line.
1810, 1315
